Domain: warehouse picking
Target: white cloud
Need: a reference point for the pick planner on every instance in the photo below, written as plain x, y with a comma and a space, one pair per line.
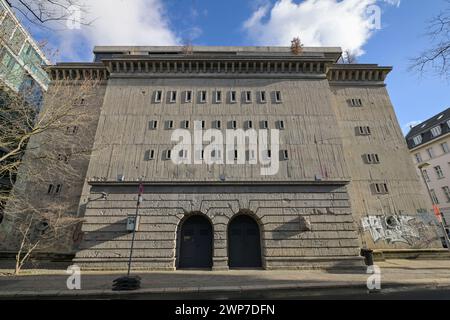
343, 23
121, 22
407, 127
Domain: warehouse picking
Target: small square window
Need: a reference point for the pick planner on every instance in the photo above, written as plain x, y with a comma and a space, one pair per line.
264, 124
217, 124
281, 125
150, 155
355, 102
285, 155
168, 154
169, 124
50, 189
72, 130
364, 131
233, 124
249, 124
185, 124
153, 125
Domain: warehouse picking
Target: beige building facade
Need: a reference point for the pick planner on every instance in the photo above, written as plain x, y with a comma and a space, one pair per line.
345, 179
429, 145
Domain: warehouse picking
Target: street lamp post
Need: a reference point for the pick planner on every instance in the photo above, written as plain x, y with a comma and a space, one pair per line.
435, 205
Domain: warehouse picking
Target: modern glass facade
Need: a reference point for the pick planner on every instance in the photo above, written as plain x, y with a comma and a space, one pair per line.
21, 60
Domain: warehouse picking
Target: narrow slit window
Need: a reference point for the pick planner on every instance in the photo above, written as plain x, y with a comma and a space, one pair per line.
248, 96
203, 96
262, 97
188, 97
173, 96
233, 97
218, 96
278, 97
158, 96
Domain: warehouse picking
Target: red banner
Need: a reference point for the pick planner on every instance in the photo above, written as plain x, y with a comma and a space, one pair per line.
437, 212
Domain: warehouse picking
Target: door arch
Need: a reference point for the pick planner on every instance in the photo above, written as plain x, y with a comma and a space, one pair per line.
196, 243
244, 243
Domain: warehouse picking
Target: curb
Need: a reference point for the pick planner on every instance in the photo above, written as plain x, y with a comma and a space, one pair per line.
217, 292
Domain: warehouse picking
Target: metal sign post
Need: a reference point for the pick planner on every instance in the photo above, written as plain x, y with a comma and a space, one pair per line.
128, 282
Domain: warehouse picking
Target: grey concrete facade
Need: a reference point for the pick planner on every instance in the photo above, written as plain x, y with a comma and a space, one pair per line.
323, 205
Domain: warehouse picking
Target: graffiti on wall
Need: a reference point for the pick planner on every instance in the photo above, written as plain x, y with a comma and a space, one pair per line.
396, 229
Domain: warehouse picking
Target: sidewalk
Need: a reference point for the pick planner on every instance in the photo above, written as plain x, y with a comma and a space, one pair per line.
395, 275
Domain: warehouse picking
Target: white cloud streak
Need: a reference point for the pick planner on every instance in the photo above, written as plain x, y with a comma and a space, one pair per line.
120, 22
343, 23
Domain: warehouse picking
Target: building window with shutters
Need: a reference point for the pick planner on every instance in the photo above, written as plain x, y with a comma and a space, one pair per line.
430, 152
433, 196
445, 147
417, 140
426, 176
436, 131
418, 158
439, 172
446, 190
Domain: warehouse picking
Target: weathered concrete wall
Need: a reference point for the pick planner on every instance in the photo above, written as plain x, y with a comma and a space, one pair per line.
406, 198
300, 226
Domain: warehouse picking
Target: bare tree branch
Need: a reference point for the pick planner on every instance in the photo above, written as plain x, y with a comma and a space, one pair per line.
41, 149
49, 13
436, 58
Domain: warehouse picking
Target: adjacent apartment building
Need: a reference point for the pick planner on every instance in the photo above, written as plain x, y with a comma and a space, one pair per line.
429, 145
21, 72
345, 179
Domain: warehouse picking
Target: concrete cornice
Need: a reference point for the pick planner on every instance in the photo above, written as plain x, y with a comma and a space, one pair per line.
357, 74
218, 183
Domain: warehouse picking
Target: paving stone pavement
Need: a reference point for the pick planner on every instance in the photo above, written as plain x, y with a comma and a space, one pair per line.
394, 273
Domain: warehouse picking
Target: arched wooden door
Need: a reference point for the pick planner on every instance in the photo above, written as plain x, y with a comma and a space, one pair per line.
196, 243
244, 243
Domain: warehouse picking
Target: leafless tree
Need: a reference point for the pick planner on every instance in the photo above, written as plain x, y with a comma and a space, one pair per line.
40, 154
51, 12
436, 59
348, 57
296, 46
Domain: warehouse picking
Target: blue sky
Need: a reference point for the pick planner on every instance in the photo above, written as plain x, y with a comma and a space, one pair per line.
275, 22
